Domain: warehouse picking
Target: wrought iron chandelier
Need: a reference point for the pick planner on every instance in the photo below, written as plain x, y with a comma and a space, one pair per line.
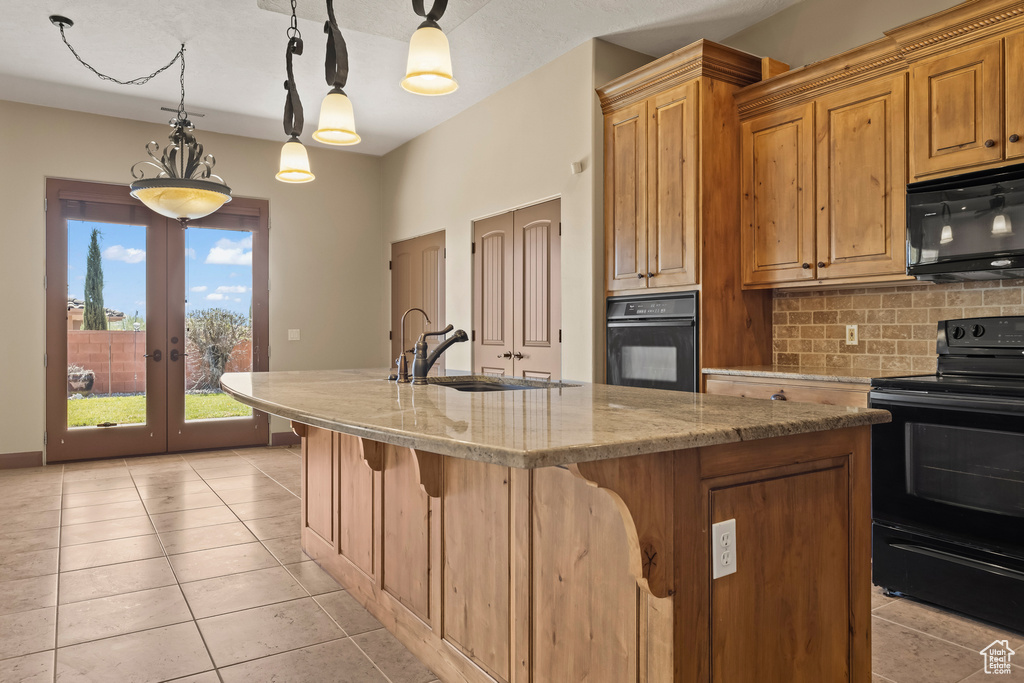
184, 186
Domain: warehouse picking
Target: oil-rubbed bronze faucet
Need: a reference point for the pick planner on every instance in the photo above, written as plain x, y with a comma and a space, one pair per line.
403, 364
422, 363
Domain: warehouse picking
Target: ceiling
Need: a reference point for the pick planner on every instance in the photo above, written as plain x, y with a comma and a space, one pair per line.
236, 49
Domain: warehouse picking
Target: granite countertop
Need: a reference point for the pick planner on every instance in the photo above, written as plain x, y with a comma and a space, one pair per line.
810, 373
529, 428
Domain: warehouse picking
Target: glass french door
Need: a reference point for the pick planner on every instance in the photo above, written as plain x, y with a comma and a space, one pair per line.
143, 316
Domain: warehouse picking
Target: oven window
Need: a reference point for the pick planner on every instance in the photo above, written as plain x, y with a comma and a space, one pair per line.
979, 469
650, 363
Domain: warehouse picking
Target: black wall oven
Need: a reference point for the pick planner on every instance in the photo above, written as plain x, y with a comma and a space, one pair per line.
652, 341
948, 475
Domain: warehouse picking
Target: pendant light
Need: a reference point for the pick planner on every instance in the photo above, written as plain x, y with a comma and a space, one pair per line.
429, 67
184, 187
294, 166
947, 229
337, 121
1001, 226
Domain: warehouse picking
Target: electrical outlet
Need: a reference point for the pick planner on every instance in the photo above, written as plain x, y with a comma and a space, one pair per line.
851, 335
723, 548
293, 335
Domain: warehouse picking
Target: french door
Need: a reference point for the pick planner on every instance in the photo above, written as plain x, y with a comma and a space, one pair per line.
142, 318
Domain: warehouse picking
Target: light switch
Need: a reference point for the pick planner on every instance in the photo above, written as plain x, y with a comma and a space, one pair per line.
293, 335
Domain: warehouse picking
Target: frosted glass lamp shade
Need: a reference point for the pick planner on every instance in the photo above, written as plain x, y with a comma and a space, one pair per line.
181, 199
1001, 225
947, 234
337, 122
429, 69
294, 163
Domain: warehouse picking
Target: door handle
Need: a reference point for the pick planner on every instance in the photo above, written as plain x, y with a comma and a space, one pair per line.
156, 355
175, 354
518, 356
507, 354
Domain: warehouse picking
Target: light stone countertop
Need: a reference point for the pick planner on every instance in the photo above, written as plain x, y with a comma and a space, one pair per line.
809, 373
529, 428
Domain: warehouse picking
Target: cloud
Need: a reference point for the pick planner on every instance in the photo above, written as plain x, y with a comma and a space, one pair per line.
190, 252
231, 252
238, 300
128, 255
215, 297
232, 289
200, 288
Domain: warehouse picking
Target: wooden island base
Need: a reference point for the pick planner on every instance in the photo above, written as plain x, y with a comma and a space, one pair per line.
601, 572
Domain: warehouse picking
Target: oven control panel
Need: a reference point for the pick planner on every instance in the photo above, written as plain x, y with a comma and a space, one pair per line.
985, 332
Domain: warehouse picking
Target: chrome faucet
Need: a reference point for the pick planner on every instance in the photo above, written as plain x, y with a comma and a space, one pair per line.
422, 363
403, 364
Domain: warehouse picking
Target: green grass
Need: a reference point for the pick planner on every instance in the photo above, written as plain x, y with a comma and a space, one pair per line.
132, 409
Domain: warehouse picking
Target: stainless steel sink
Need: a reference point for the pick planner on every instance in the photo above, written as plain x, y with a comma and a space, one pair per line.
493, 383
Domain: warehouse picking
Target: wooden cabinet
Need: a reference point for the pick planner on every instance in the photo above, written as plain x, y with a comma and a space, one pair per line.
785, 389
625, 199
823, 188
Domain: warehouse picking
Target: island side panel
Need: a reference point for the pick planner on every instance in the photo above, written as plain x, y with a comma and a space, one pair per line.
406, 528
358, 490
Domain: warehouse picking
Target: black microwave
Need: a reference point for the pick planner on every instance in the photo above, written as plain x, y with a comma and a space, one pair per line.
967, 227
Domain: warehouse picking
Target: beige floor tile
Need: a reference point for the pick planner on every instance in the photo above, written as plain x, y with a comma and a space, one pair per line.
165, 478
119, 614
287, 550
907, 656
221, 461
241, 469
24, 595
200, 457
75, 500
110, 552
101, 513
156, 655
92, 485
275, 527
314, 579
208, 677
188, 501
114, 579
23, 521
232, 559
90, 465
33, 504
250, 493
174, 488
234, 592
349, 614
29, 539
204, 538
262, 631
1016, 676
393, 658
15, 493
35, 668
28, 564
242, 482
259, 509
27, 632
105, 531
191, 519
93, 473
945, 625
341, 657
160, 467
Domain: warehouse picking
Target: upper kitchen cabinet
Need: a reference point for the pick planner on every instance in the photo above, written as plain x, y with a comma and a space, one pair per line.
669, 148
823, 172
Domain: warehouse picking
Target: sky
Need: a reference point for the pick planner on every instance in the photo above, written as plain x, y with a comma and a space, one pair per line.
218, 266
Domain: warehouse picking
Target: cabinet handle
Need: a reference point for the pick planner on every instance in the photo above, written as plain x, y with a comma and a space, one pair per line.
990, 143
805, 266
1014, 138
821, 264
779, 396
640, 276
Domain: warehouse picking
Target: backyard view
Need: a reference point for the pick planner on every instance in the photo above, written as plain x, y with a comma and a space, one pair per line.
107, 346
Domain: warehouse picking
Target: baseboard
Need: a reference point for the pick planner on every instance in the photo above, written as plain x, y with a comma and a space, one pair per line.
10, 461
284, 439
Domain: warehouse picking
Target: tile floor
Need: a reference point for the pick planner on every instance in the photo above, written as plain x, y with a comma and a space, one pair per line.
188, 568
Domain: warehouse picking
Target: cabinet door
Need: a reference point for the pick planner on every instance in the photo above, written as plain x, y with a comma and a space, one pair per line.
672, 187
782, 615
861, 178
956, 110
625, 169
777, 169
1014, 95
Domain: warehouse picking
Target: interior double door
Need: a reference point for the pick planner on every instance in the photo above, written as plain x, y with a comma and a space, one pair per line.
143, 316
517, 293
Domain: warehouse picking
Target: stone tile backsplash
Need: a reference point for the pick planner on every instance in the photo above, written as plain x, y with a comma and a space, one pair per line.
896, 325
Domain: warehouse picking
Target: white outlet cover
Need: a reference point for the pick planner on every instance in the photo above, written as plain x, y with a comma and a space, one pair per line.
851, 335
293, 335
723, 548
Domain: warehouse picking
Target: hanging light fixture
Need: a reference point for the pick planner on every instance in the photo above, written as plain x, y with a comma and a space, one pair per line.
337, 121
294, 160
1001, 226
947, 229
184, 187
429, 68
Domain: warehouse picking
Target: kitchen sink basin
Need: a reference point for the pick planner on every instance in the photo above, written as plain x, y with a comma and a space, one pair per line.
492, 383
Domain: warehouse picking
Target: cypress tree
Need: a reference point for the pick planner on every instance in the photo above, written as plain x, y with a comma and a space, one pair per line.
95, 316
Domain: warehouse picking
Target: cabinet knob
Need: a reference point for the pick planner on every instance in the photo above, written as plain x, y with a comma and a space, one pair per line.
990, 143
650, 274
821, 264
640, 276
805, 266
779, 396
1014, 138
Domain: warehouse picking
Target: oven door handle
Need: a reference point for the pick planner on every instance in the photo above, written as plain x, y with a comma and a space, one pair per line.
685, 322
978, 404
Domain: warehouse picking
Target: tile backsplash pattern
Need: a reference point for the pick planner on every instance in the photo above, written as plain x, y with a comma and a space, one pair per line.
896, 325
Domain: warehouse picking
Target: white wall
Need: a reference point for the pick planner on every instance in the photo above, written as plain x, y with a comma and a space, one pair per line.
325, 245
512, 149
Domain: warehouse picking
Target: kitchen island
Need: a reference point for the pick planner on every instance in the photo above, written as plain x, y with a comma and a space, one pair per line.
565, 533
